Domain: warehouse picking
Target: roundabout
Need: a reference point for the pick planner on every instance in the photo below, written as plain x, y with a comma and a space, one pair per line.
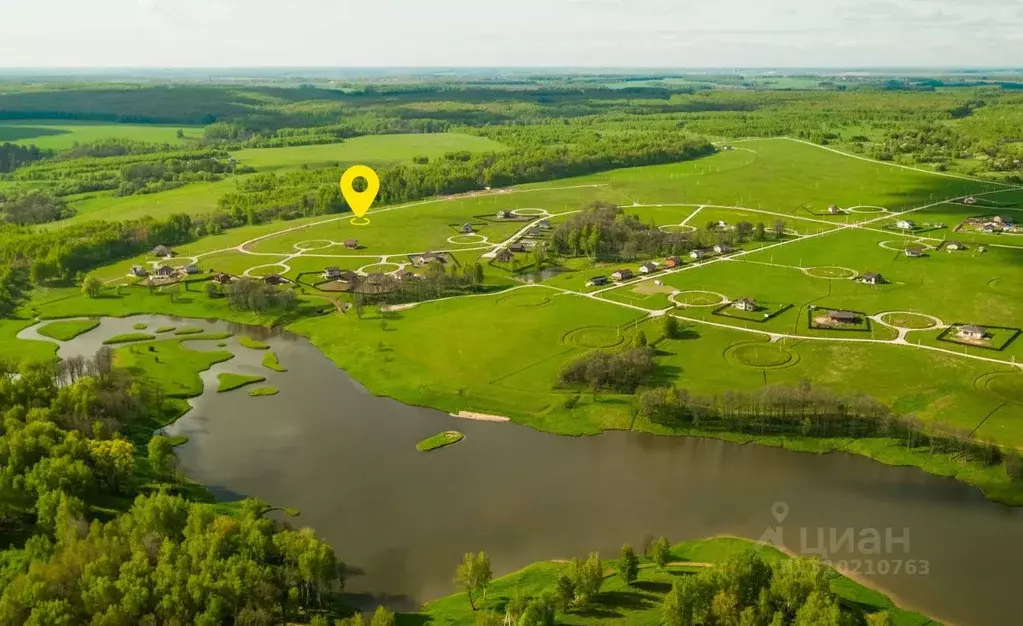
531, 212
380, 268
523, 300
761, 355
256, 271
896, 246
866, 208
909, 320
314, 244
830, 272
468, 239
1008, 386
697, 298
593, 337
678, 228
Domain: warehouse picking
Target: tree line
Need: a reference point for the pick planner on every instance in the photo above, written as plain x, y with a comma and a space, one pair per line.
13, 156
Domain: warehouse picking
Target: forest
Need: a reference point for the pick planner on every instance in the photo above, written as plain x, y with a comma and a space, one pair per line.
100, 526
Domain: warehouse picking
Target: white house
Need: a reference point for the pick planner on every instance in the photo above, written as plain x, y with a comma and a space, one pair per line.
972, 331
697, 254
745, 304
723, 249
955, 245
647, 268
905, 224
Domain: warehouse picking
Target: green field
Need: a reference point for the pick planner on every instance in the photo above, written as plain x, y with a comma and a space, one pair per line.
370, 150
171, 364
62, 134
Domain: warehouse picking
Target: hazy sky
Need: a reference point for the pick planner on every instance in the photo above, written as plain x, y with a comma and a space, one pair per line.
651, 33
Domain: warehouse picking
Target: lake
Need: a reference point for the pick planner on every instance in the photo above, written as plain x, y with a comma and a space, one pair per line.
402, 519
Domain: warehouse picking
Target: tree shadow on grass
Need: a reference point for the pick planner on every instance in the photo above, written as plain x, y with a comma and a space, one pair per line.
665, 375
625, 600
652, 586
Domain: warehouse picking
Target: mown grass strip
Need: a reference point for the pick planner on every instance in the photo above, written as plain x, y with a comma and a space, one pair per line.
128, 337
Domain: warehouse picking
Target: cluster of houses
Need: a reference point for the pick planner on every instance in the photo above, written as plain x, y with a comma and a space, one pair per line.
530, 239
165, 271
625, 273
992, 224
428, 258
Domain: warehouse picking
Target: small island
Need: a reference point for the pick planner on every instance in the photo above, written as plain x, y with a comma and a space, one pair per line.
229, 381
440, 440
264, 391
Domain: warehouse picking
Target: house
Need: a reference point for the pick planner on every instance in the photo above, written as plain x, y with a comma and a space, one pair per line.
843, 317
274, 279
870, 278
467, 229
139, 271
332, 273
697, 254
999, 219
723, 249
162, 251
348, 276
722, 224
222, 279
503, 256
988, 228
165, 271
544, 225
351, 244
955, 245
914, 252
534, 232
905, 225
427, 258
504, 215
192, 268
971, 331
834, 210
622, 274
406, 275
672, 261
647, 268
596, 281
745, 304
517, 247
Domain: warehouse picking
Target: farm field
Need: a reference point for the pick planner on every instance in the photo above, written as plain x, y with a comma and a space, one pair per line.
62, 134
369, 150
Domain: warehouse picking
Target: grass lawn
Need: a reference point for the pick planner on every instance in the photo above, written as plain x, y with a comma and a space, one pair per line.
171, 364
62, 134
640, 604
228, 381
139, 326
439, 440
128, 338
66, 331
369, 150
254, 344
908, 320
270, 361
14, 350
264, 391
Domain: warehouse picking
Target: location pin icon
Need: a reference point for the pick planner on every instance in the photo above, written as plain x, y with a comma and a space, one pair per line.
780, 510
360, 201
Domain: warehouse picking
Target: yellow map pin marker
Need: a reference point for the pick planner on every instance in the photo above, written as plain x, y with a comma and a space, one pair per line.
360, 201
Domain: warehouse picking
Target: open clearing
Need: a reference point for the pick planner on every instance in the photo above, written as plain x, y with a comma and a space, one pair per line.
62, 134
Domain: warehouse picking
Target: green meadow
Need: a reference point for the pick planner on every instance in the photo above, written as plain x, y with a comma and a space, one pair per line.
62, 134
370, 150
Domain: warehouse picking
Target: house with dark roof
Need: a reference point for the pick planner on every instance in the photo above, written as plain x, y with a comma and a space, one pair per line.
504, 215
534, 232
955, 245
723, 249
162, 251
596, 281
332, 272
467, 229
834, 210
139, 271
222, 279
672, 261
914, 252
745, 304
274, 279
351, 244
165, 271
647, 268
622, 274
972, 331
517, 247
191, 269
427, 258
504, 255
697, 254
870, 278
544, 225
843, 317
348, 276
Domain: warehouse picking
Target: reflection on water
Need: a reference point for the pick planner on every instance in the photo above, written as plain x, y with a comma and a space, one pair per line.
402, 519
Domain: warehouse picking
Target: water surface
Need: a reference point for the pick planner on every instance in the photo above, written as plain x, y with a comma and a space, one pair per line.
402, 519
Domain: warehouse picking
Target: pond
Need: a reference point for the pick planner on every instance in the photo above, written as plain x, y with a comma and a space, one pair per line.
402, 519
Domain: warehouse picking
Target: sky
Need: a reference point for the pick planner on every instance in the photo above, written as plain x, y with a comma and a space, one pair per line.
516, 33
